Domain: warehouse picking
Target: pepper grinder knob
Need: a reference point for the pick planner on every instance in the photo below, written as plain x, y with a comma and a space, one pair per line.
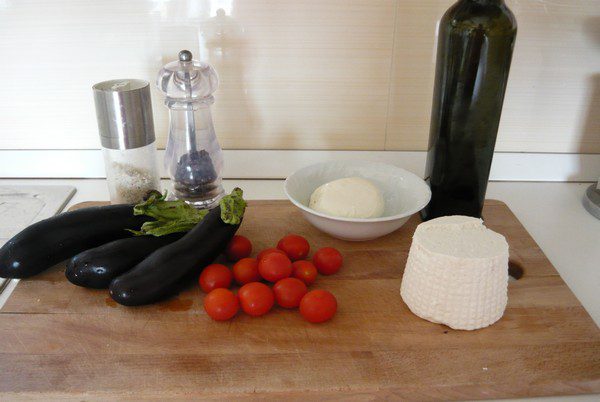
185, 55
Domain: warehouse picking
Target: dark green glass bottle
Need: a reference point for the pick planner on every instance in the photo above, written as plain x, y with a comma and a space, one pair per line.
475, 45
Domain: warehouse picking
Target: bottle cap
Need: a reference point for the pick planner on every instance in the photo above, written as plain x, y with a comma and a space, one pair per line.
124, 113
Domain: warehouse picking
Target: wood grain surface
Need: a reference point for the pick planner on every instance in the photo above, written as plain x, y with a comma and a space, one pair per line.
61, 341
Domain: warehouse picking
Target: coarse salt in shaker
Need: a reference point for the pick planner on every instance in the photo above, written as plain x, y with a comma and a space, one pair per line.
126, 127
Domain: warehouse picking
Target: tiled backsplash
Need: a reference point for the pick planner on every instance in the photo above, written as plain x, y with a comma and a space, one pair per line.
295, 74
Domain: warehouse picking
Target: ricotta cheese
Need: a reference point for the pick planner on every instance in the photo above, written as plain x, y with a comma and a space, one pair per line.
456, 273
351, 197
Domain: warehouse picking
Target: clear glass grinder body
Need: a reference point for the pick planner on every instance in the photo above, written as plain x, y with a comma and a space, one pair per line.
193, 158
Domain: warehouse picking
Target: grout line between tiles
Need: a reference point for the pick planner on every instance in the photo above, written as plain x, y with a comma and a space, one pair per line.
390, 86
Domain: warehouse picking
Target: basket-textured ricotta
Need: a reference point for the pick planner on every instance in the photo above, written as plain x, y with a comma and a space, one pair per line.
456, 273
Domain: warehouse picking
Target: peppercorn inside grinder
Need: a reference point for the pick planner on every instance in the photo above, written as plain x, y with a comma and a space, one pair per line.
193, 157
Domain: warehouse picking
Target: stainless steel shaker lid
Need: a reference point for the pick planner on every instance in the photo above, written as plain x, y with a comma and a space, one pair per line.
124, 113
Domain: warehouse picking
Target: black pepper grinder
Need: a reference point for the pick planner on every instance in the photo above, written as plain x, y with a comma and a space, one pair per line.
193, 158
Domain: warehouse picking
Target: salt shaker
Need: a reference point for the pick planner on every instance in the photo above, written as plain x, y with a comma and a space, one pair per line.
126, 127
193, 155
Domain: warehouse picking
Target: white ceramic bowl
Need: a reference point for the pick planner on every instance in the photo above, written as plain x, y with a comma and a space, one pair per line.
404, 193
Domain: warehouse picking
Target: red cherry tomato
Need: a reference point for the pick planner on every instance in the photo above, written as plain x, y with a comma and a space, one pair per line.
263, 253
256, 298
305, 271
289, 291
328, 260
274, 267
221, 304
246, 271
296, 247
215, 276
239, 247
318, 306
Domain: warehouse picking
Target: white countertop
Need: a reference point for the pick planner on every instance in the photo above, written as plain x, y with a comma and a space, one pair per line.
551, 212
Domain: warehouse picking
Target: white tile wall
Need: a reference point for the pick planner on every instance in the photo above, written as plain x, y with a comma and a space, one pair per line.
295, 74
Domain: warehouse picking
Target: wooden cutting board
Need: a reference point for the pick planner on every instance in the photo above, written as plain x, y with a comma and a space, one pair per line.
61, 341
